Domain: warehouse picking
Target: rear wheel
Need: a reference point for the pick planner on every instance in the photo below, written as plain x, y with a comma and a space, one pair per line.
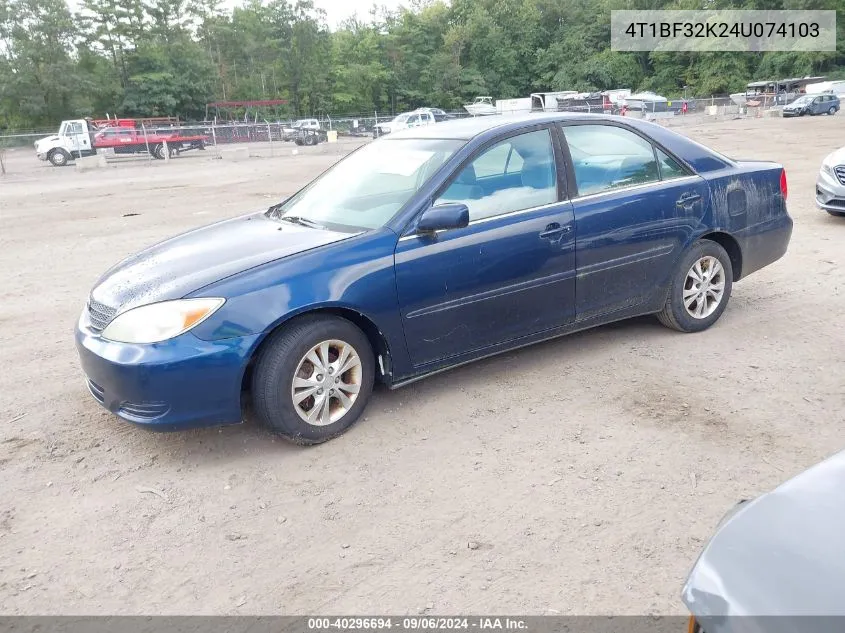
157, 151
313, 379
831, 110
58, 157
700, 289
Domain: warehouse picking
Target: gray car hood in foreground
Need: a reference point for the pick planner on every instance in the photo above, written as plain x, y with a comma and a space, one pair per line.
782, 554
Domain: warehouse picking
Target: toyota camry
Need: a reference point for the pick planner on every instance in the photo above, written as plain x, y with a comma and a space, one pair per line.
426, 249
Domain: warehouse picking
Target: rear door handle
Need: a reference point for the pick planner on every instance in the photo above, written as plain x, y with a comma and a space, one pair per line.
688, 199
555, 229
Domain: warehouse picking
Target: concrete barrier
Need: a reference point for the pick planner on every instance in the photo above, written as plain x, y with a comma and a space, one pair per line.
235, 153
650, 116
331, 136
87, 163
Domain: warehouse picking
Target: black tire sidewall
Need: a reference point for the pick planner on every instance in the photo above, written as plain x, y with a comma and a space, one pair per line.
700, 249
277, 363
59, 152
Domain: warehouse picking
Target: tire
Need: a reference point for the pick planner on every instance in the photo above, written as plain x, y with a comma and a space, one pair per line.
836, 214
58, 157
298, 142
157, 151
311, 139
675, 314
831, 111
284, 356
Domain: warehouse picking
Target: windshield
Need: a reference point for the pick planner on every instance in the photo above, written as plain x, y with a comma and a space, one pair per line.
401, 118
802, 100
366, 189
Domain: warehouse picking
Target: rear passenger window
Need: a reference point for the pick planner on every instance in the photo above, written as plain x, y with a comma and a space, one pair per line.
606, 157
669, 167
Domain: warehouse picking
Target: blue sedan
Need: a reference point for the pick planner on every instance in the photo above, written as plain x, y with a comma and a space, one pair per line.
427, 249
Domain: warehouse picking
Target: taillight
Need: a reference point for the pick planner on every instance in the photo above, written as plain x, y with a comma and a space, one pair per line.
783, 188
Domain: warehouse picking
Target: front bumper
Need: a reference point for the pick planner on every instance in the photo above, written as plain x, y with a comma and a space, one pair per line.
830, 193
178, 384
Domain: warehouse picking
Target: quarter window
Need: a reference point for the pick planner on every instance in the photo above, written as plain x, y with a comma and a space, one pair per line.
669, 167
518, 173
607, 157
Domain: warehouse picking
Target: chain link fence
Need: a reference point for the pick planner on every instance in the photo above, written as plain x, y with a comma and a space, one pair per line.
272, 138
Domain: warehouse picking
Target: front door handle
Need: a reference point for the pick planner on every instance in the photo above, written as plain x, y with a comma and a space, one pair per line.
686, 200
554, 229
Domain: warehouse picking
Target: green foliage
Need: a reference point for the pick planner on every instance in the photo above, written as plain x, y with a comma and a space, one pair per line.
172, 57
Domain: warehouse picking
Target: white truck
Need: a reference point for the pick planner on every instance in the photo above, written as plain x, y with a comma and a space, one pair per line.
290, 133
74, 139
416, 118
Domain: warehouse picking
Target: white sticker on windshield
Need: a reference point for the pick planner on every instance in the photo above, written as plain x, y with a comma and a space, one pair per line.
403, 163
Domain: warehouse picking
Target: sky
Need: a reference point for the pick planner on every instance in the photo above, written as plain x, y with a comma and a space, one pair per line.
339, 10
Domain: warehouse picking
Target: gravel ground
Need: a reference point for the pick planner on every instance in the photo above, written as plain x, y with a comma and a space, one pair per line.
581, 475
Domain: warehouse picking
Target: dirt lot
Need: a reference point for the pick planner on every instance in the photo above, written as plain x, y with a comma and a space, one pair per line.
590, 493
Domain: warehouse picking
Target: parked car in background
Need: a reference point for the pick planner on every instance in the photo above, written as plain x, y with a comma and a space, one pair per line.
417, 118
830, 183
439, 115
430, 248
812, 105
291, 133
776, 564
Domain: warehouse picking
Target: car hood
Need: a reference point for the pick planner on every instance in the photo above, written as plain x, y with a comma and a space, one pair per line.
835, 158
188, 262
782, 554
47, 139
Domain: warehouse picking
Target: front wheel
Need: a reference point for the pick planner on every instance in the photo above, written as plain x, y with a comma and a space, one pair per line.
58, 157
313, 379
700, 288
831, 110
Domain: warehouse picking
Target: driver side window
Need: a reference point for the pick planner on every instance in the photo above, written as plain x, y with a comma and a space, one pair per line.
515, 174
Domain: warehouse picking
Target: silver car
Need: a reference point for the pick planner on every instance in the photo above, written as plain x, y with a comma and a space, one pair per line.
775, 560
830, 184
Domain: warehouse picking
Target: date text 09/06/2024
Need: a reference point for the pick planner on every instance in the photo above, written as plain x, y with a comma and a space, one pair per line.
422, 623
723, 29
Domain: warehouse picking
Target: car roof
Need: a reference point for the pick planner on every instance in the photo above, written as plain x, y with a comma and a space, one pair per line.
470, 127
697, 156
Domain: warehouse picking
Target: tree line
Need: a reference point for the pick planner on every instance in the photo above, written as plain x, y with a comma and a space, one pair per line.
172, 57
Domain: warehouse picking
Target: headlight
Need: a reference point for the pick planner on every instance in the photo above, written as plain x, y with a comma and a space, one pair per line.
827, 169
158, 322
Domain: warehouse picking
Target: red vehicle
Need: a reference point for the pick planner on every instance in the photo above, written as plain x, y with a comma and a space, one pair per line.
84, 137
132, 136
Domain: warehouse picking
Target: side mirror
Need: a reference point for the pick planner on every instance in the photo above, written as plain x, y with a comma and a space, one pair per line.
453, 215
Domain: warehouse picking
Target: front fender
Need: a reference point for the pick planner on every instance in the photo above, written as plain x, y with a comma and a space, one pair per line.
355, 274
